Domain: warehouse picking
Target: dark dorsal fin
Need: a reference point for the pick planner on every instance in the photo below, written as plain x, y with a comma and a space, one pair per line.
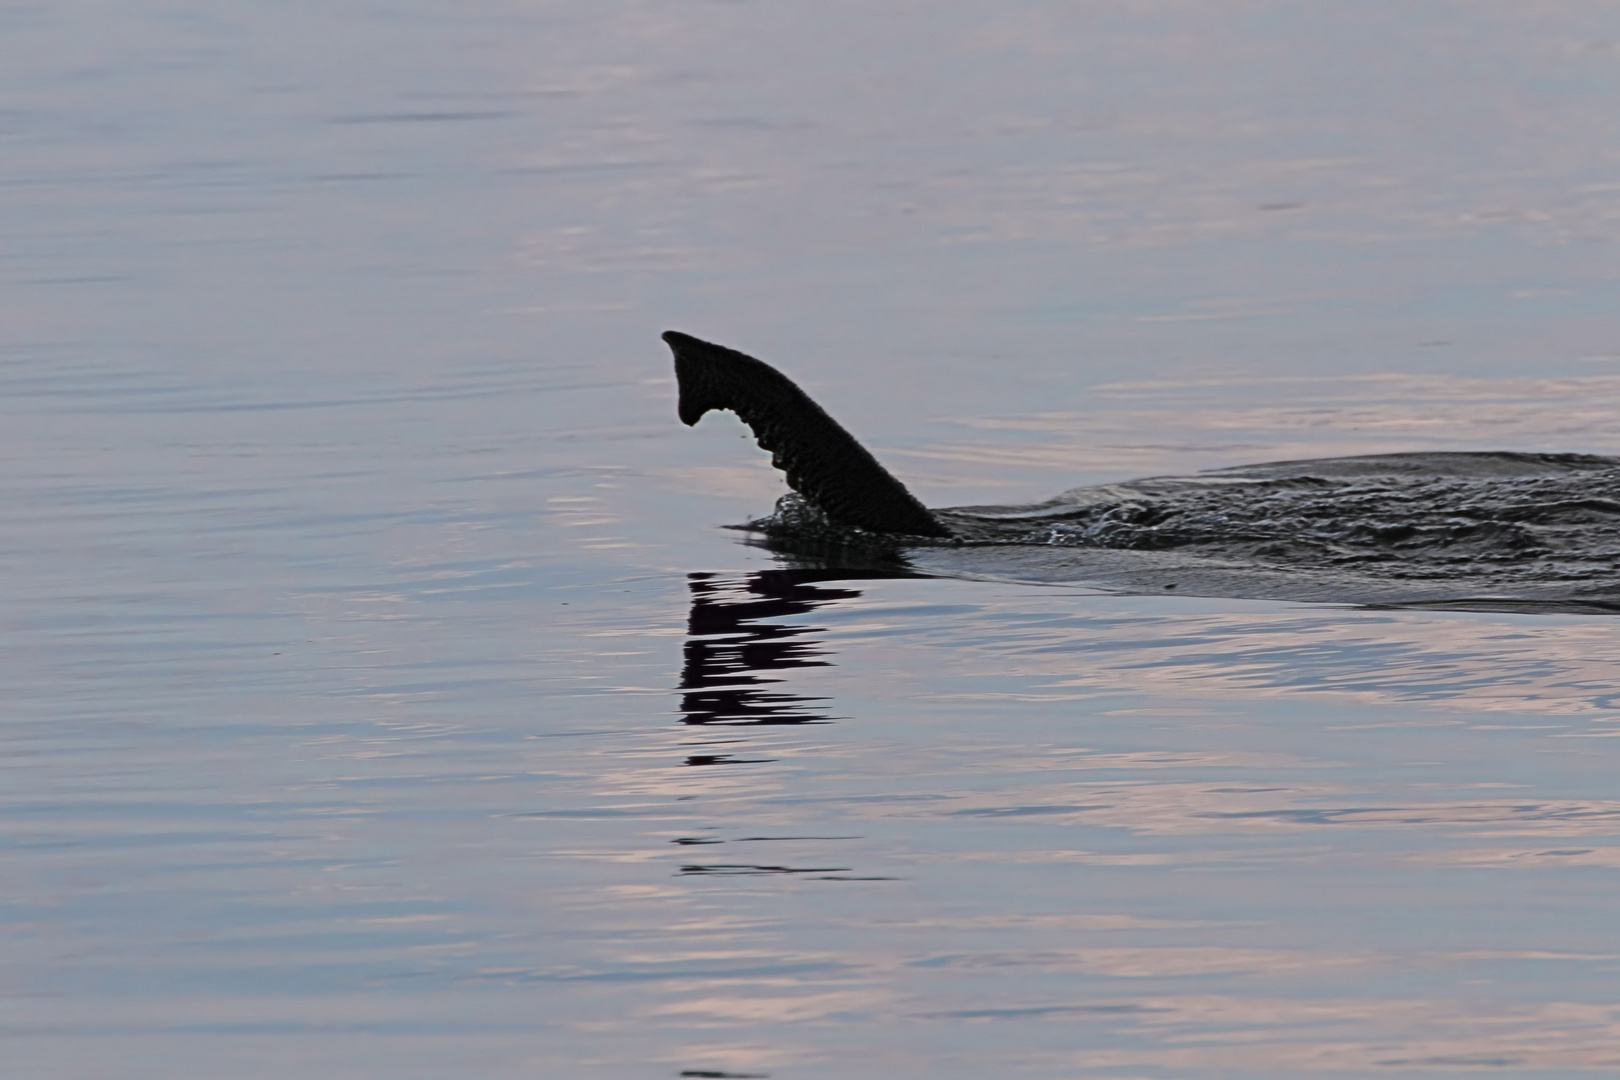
823, 462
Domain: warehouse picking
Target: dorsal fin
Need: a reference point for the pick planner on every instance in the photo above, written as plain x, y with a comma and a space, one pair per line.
823, 462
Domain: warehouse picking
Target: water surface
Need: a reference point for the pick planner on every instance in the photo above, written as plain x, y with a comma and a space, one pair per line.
384, 700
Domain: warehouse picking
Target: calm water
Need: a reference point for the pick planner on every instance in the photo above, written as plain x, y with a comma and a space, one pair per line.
383, 700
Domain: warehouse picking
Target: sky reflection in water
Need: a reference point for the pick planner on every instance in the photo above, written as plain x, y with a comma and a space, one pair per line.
1324, 840
384, 702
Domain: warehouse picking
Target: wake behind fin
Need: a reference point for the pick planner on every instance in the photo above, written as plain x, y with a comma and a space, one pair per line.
823, 462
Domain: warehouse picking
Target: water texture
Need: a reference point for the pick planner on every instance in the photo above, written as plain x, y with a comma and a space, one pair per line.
1505, 531
384, 699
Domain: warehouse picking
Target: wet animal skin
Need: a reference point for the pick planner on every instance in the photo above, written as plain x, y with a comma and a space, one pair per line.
822, 461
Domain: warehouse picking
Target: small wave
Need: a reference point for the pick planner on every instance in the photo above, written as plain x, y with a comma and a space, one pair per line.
1499, 531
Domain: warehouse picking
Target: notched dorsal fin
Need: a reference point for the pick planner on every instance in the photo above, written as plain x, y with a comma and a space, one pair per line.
823, 462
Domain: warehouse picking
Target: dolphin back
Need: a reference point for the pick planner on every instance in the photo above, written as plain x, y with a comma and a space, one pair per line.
821, 460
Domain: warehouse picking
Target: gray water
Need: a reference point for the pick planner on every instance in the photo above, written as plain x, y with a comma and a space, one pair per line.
384, 699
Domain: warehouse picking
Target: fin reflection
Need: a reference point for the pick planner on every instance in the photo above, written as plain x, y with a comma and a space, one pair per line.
731, 639
739, 631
